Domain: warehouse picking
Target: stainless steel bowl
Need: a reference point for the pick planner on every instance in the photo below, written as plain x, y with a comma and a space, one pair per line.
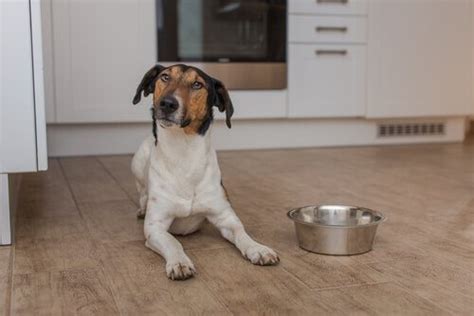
336, 229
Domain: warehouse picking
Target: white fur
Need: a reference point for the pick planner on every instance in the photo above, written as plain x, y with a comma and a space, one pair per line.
179, 182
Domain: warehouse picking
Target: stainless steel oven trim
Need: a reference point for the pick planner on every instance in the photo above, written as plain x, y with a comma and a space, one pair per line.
244, 76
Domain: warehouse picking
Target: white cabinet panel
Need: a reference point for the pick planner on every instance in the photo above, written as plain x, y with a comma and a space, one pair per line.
338, 7
327, 80
38, 82
17, 115
101, 49
48, 61
420, 58
327, 29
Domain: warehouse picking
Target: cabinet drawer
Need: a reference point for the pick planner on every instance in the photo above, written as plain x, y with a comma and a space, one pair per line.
343, 7
327, 80
327, 29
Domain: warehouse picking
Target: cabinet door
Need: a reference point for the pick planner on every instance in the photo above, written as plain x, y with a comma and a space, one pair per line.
101, 50
17, 111
420, 58
326, 80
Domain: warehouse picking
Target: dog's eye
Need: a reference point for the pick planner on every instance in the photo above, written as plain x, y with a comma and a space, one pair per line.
197, 85
165, 78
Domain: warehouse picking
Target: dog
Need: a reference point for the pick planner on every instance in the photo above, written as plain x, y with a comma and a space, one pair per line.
177, 174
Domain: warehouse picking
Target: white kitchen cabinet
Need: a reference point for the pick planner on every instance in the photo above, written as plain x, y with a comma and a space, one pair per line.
22, 113
101, 50
327, 29
419, 58
22, 117
328, 7
327, 80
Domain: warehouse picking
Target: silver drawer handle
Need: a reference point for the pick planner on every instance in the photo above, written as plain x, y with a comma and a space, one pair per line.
341, 52
342, 29
333, 1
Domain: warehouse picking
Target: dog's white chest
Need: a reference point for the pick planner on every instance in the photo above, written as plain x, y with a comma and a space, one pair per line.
184, 181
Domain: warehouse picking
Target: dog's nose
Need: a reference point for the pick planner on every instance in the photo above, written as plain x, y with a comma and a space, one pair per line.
169, 104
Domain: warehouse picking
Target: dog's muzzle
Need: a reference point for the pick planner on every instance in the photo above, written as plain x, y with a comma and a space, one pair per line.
168, 105
168, 113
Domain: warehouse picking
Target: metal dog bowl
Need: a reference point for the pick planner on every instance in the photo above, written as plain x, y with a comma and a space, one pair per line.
336, 229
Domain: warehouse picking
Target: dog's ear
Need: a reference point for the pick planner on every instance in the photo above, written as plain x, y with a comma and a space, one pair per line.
222, 100
147, 85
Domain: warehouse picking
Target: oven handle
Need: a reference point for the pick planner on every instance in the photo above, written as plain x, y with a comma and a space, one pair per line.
332, 1
341, 52
342, 29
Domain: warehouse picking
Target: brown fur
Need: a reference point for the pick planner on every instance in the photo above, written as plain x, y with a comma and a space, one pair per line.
194, 101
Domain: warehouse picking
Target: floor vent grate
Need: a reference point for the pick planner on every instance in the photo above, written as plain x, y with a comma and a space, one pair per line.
410, 129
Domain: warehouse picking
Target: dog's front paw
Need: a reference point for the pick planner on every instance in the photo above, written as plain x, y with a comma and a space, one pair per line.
262, 255
180, 270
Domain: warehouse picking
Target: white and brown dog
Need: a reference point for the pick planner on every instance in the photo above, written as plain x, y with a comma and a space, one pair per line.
177, 174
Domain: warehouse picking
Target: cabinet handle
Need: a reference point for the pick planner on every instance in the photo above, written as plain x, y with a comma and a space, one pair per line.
332, 1
341, 52
342, 29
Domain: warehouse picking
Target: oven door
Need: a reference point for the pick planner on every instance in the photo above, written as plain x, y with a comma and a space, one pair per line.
242, 43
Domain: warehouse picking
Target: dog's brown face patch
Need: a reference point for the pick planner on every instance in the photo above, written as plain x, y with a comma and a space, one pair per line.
188, 86
184, 96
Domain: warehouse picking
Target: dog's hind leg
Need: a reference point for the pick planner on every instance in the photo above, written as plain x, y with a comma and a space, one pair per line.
186, 225
143, 200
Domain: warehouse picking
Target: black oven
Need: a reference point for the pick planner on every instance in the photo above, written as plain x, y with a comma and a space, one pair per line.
242, 42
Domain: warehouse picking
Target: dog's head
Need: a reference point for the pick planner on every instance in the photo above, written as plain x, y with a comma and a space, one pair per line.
184, 96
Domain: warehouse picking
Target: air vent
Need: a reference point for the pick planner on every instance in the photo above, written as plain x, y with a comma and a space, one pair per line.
410, 129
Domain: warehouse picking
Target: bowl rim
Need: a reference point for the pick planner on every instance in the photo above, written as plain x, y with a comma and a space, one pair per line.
377, 213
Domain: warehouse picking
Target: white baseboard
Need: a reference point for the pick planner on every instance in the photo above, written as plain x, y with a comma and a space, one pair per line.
102, 139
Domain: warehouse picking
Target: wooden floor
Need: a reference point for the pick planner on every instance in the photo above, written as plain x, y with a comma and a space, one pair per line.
80, 249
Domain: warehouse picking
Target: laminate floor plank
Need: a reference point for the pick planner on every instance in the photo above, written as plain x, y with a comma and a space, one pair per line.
140, 286
119, 168
55, 255
53, 244
376, 299
80, 248
6, 253
247, 289
69, 292
114, 220
45, 194
443, 284
90, 181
